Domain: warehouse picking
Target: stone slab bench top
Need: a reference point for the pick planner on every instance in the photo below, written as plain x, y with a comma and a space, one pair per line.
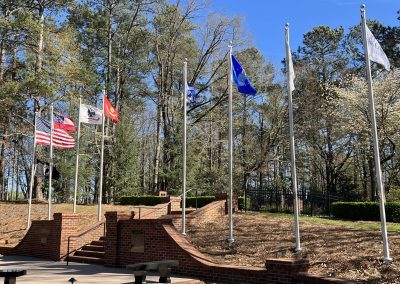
12, 272
153, 265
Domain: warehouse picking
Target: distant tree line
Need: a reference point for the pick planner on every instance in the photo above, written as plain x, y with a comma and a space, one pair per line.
60, 51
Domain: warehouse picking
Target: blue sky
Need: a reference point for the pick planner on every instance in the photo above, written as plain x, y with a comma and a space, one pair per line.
265, 19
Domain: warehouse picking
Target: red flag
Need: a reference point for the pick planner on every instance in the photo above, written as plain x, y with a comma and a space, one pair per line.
63, 122
109, 110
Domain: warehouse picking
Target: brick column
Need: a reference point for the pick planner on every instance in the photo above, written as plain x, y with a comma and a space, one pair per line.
65, 225
110, 244
175, 204
111, 238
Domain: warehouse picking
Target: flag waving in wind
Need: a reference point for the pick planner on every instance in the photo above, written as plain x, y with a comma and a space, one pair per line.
61, 138
290, 70
63, 122
89, 114
240, 79
109, 110
375, 50
191, 95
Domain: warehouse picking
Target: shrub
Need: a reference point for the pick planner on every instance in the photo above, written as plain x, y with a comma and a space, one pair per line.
201, 201
393, 195
241, 202
141, 200
366, 211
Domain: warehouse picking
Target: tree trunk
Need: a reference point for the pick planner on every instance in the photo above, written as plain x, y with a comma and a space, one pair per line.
330, 167
109, 48
38, 184
244, 145
3, 142
14, 165
2, 55
372, 177
39, 60
158, 134
14, 61
142, 168
261, 158
17, 181
158, 150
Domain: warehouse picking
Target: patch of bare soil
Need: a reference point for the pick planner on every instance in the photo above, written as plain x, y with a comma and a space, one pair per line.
333, 251
13, 217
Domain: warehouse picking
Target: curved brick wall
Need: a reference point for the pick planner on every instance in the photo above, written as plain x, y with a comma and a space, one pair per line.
163, 241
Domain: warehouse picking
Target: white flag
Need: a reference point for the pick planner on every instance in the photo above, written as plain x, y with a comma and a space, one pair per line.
90, 114
290, 64
375, 50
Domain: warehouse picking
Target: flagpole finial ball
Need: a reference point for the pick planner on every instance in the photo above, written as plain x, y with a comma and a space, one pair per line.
185, 59
287, 25
363, 7
231, 42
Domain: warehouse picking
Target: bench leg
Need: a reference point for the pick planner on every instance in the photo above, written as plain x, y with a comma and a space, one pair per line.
10, 280
140, 277
165, 275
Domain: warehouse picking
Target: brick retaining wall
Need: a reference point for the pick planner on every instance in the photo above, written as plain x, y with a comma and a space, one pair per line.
49, 238
46, 238
208, 213
162, 241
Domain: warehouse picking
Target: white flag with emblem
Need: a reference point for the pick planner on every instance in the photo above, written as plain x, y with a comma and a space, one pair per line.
375, 51
90, 114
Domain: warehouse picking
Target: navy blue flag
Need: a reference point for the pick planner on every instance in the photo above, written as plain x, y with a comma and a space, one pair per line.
191, 95
240, 79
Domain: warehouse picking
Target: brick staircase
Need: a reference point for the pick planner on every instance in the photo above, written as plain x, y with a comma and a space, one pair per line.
92, 253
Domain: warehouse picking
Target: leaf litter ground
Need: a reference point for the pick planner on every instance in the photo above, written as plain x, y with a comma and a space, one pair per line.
333, 251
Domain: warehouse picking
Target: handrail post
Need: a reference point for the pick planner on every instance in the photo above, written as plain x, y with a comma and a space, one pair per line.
68, 250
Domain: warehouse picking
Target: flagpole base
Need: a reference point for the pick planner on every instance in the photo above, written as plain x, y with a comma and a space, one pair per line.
387, 260
230, 240
297, 250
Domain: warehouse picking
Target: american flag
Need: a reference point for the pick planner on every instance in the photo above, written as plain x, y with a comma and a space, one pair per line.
61, 138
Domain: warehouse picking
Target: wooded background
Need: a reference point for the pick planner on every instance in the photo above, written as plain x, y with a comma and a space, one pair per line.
58, 51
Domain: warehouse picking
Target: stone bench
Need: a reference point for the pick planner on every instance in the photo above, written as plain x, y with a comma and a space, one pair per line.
163, 267
10, 275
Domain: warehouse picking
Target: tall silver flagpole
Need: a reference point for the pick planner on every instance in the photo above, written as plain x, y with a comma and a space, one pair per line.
378, 172
51, 159
101, 161
185, 91
33, 170
230, 148
77, 155
291, 133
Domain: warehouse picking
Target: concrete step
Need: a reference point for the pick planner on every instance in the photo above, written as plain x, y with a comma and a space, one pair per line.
89, 253
97, 243
86, 259
93, 248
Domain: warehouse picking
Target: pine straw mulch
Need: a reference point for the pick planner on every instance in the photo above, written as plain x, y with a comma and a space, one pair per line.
333, 251
13, 217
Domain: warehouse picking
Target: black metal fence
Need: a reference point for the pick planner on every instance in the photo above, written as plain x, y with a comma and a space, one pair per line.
281, 200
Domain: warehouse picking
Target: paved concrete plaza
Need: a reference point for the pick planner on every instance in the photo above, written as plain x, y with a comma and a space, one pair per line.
45, 271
